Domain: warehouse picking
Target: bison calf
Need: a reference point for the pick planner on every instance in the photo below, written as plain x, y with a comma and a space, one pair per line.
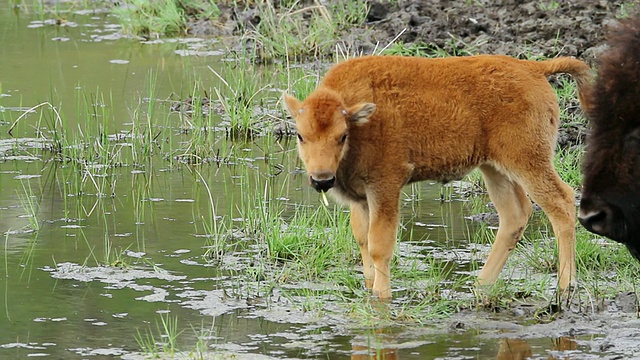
610, 204
377, 123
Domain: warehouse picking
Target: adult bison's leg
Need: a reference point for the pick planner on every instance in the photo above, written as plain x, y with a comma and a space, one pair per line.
360, 227
383, 217
514, 209
557, 200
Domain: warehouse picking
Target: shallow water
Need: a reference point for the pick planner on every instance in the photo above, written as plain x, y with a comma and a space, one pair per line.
62, 301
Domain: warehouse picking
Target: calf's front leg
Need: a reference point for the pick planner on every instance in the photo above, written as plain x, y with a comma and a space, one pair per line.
360, 226
383, 217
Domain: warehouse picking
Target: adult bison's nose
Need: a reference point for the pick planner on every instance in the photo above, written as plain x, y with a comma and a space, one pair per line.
322, 182
594, 221
596, 217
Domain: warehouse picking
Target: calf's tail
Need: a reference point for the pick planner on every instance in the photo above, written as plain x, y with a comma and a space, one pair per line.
579, 70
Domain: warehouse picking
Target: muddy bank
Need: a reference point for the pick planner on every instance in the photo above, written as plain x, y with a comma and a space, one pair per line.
523, 29
526, 29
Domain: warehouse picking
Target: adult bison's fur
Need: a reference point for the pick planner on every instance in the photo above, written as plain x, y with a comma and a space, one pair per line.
377, 123
610, 204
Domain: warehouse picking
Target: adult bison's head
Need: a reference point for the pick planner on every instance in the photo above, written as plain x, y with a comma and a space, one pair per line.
322, 124
610, 204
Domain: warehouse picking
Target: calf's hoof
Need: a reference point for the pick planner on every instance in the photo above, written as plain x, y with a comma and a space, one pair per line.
382, 294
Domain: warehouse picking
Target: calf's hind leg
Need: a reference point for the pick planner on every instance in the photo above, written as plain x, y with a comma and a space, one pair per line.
514, 209
557, 201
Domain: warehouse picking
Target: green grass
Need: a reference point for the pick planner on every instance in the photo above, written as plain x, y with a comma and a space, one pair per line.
239, 91
454, 47
6, 277
568, 164
627, 8
151, 19
286, 29
29, 204
302, 31
164, 341
548, 5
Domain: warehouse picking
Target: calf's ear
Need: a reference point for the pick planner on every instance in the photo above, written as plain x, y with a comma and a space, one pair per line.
292, 105
361, 112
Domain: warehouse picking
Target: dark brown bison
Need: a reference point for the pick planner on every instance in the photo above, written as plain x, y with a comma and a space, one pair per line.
610, 204
377, 123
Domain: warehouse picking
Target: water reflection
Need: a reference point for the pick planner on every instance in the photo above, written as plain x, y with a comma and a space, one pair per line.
517, 349
514, 349
384, 344
380, 346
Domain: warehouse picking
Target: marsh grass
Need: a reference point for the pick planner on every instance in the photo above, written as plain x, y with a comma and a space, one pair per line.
431, 289
6, 277
568, 162
599, 258
151, 19
300, 80
567, 93
319, 240
27, 258
213, 225
454, 47
164, 340
240, 94
29, 203
302, 32
310, 241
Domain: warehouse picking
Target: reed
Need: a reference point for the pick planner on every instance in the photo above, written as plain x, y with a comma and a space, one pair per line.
300, 31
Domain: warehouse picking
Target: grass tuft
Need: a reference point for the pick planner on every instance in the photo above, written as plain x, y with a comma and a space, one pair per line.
156, 18
303, 32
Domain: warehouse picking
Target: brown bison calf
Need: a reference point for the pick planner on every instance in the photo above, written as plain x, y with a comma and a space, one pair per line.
377, 123
610, 204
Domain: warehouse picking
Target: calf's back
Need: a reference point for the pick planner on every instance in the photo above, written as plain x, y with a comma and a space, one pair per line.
441, 118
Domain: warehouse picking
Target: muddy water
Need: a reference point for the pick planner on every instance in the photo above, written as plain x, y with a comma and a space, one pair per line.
59, 298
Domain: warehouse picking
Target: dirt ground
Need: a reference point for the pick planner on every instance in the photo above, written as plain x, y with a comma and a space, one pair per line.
517, 28
523, 29
543, 28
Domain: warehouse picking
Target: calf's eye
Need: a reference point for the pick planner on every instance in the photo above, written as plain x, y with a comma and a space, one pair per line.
299, 137
343, 138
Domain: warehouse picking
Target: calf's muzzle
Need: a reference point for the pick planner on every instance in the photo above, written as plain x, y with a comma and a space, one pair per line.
322, 182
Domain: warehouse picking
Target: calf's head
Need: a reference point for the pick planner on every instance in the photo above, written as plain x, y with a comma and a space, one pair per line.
323, 123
